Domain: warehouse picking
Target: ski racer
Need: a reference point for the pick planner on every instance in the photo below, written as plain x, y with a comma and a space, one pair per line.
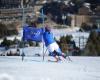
52, 45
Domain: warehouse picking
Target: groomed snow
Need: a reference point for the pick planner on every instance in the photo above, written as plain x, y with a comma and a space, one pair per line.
33, 68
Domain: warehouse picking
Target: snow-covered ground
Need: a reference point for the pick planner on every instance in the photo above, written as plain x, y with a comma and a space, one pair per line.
33, 68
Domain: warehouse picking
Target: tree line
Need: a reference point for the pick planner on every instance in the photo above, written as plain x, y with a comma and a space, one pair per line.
5, 31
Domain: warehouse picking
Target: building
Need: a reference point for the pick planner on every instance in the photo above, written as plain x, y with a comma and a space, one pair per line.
6, 4
10, 3
85, 9
77, 20
97, 10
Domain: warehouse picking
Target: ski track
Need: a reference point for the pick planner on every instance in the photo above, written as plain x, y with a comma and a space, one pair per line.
34, 68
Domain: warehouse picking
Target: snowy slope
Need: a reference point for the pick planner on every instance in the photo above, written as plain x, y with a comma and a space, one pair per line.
33, 68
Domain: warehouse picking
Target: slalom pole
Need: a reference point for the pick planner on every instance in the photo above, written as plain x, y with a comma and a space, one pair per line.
45, 52
23, 22
43, 31
69, 57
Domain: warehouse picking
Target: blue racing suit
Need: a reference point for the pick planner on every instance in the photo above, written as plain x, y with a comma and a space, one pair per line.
49, 39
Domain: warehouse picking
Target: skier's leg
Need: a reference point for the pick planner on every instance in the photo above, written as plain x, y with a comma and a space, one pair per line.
56, 55
57, 58
64, 55
60, 53
54, 51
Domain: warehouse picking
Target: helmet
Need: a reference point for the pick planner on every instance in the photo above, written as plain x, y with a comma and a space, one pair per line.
47, 28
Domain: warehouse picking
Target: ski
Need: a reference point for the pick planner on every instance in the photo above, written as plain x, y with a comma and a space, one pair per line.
53, 61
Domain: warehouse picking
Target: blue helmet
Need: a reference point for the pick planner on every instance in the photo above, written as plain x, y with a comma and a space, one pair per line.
47, 28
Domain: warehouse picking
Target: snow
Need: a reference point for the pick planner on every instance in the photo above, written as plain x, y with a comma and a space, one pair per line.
33, 68
31, 51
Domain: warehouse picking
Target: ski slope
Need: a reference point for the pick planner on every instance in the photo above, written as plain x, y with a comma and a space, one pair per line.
33, 68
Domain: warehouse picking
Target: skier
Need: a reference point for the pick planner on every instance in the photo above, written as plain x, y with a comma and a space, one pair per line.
51, 44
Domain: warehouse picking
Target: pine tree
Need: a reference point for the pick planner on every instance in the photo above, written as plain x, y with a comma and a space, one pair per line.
93, 45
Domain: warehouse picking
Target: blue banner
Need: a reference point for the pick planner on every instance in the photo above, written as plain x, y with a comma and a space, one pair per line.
32, 34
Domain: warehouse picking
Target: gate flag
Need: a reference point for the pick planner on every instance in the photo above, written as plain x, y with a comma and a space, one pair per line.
32, 34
